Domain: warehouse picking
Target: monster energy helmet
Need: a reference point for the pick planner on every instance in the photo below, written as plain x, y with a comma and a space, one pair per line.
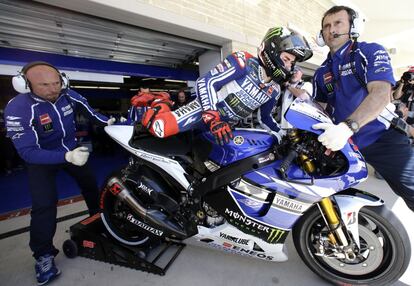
276, 41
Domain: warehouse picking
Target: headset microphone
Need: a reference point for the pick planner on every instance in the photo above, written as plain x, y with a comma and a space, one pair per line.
339, 35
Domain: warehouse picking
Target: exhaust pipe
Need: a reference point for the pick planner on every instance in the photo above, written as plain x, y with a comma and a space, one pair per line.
155, 217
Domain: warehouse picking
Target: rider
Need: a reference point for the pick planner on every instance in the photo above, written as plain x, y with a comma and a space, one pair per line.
232, 90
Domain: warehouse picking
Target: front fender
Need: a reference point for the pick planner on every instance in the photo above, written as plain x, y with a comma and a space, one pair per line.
349, 202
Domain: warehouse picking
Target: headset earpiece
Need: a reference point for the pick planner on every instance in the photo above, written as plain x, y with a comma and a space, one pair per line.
20, 83
319, 39
64, 80
357, 25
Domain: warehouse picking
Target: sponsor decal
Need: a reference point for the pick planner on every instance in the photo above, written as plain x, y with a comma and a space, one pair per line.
381, 58
190, 120
269, 157
202, 93
238, 140
158, 128
17, 136
234, 239
270, 90
67, 110
275, 235
115, 189
46, 122
13, 123
234, 249
145, 226
146, 189
351, 218
12, 117
327, 77
249, 226
254, 91
382, 69
247, 221
379, 52
290, 204
241, 59
273, 33
14, 129
187, 109
45, 119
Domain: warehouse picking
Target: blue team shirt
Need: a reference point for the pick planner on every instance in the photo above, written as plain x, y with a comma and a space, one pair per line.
42, 131
334, 83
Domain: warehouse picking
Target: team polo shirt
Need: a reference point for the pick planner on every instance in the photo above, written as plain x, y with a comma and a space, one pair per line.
336, 84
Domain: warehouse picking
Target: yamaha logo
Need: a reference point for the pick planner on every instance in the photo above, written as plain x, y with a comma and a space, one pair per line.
238, 140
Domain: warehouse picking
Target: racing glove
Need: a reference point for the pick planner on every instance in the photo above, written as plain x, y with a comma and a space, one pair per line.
77, 156
220, 129
335, 136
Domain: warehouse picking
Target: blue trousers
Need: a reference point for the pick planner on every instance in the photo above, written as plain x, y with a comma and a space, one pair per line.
42, 185
392, 156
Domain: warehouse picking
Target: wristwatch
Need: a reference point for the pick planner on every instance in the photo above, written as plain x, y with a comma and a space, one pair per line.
352, 124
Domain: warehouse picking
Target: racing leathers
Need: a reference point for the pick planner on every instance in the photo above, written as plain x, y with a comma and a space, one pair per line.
232, 90
45, 133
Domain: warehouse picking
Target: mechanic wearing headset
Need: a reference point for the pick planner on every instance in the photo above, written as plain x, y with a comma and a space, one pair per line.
40, 121
354, 83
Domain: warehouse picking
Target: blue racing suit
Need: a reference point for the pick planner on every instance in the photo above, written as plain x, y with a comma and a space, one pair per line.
235, 88
42, 131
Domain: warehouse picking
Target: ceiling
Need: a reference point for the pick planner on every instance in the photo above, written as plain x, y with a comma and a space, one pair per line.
38, 27
390, 23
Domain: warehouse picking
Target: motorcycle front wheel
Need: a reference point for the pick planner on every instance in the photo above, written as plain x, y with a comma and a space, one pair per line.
384, 254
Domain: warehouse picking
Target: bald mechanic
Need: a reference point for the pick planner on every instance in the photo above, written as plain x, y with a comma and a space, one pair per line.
40, 121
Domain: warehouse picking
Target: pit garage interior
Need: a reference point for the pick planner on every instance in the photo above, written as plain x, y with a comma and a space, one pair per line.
107, 61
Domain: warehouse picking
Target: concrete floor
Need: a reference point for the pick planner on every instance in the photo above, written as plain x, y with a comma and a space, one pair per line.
194, 266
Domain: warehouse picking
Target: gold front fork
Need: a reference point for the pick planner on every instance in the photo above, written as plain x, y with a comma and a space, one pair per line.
336, 235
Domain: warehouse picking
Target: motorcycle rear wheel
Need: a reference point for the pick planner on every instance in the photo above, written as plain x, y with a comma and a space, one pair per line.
383, 240
114, 212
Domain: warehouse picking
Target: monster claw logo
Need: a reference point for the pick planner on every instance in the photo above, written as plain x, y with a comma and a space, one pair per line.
277, 72
329, 87
275, 235
273, 32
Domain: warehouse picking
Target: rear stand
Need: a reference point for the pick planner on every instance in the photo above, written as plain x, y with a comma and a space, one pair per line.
90, 239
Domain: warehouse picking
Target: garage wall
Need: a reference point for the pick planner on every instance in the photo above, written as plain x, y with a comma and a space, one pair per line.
232, 24
251, 18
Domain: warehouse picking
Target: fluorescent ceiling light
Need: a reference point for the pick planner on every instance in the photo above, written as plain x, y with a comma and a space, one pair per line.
95, 87
175, 80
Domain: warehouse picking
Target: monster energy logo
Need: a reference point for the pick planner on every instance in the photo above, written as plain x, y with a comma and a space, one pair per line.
329, 87
273, 32
234, 101
275, 235
277, 72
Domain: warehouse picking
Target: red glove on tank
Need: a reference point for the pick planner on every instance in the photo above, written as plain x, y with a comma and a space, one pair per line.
220, 129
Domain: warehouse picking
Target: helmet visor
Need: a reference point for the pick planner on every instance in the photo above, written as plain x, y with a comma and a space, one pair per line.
298, 46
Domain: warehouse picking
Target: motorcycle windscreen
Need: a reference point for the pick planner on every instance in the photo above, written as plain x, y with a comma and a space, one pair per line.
302, 114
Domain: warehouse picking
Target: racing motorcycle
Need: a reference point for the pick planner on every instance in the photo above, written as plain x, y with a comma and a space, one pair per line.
246, 197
